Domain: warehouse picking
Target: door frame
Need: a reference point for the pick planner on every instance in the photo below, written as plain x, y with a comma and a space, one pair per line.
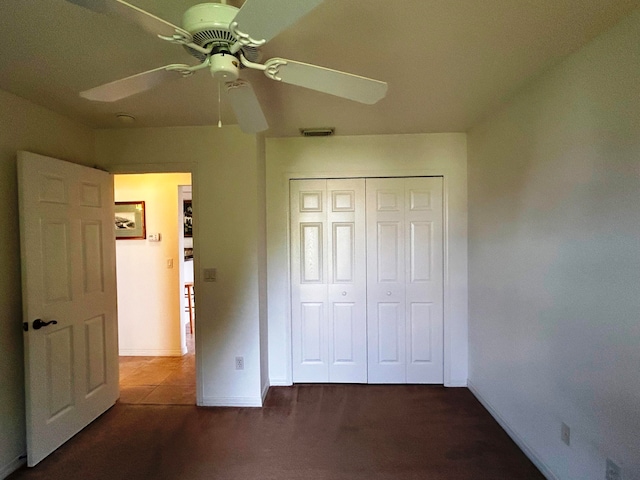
187, 167
449, 296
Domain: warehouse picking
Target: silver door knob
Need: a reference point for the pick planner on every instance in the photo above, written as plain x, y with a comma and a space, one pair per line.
344, 294
388, 293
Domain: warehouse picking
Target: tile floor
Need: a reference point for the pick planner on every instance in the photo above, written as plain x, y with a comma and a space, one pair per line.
159, 380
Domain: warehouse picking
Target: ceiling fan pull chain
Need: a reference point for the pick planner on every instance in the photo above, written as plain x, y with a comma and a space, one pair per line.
219, 113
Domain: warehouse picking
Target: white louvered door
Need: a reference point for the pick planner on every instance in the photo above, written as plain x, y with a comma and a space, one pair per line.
366, 262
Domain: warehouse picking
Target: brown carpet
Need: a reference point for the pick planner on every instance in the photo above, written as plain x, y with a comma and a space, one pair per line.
315, 432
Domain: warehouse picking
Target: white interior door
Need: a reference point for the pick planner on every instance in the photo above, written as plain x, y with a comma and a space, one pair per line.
328, 281
405, 280
69, 284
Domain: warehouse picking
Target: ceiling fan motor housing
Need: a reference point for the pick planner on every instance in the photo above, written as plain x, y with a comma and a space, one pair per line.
208, 16
208, 23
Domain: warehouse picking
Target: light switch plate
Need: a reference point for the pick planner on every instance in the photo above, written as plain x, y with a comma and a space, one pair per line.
210, 274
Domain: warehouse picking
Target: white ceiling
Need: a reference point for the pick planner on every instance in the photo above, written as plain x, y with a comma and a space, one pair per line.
447, 62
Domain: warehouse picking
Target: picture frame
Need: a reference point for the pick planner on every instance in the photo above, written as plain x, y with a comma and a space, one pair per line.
130, 221
188, 218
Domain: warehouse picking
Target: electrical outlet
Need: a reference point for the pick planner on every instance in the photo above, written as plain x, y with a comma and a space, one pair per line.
613, 471
239, 363
565, 433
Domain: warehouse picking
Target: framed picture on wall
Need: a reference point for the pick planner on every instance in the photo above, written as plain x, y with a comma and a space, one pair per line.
130, 221
188, 218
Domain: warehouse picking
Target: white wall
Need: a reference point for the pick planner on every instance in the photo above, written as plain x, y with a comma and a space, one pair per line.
554, 260
23, 126
225, 164
382, 155
149, 292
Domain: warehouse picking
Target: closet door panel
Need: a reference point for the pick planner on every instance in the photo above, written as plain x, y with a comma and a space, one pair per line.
424, 286
346, 292
386, 329
310, 349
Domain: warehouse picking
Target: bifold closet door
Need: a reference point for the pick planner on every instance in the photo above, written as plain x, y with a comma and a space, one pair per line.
328, 262
404, 280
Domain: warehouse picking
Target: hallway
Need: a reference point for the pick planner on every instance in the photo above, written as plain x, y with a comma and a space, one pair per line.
159, 380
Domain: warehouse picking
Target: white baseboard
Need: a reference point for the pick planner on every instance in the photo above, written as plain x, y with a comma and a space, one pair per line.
12, 466
526, 449
231, 402
265, 390
151, 352
280, 382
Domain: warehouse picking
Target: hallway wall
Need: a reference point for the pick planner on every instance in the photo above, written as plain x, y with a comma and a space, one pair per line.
148, 289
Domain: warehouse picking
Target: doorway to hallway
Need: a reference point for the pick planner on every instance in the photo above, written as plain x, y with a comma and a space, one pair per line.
156, 331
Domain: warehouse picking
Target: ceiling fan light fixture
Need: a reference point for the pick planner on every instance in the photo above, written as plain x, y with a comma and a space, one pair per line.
225, 67
317, 132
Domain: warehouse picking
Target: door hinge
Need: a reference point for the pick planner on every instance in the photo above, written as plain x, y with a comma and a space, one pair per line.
25, 326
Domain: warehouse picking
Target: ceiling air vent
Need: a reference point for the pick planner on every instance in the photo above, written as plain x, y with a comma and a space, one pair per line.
317, 132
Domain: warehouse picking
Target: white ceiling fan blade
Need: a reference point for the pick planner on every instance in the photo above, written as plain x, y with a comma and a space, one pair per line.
133, 14
126, 87
263, 20
326, 80
246, 107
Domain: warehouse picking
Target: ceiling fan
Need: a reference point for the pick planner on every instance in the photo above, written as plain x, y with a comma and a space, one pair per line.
227, 40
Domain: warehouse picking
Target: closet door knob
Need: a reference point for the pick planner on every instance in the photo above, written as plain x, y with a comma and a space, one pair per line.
344, 294
388, 293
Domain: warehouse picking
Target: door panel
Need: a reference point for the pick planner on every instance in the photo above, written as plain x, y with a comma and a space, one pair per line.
404, 224
59, 358
346, 289
424, 288
328, 272
95, 340
68, 275
420, 238
343, 255
311, 251
308, 294
420, 334
312, 331
386, 280
344, 343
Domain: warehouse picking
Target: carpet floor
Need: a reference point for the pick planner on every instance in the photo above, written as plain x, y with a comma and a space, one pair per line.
315, 432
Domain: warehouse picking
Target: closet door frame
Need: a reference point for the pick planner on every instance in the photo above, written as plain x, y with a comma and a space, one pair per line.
447, 288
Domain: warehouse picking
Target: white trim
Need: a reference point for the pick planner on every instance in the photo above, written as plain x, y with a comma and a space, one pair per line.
526, 449
456, 384
265, 391
13, 465
280, 382
231, 402
151, 352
